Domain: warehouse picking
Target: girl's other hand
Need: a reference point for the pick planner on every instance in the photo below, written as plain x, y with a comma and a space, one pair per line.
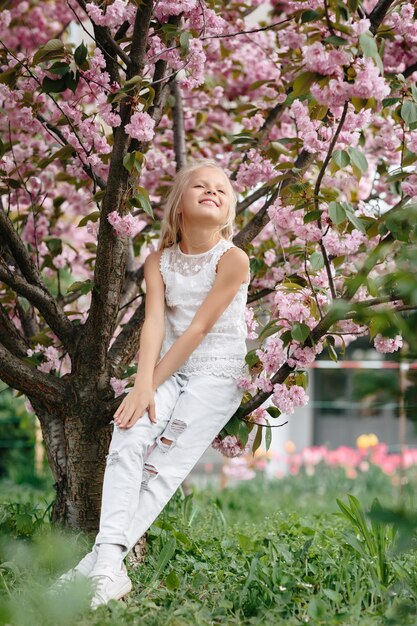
134, 405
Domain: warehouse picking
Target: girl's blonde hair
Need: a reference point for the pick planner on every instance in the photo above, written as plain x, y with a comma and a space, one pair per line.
171, 221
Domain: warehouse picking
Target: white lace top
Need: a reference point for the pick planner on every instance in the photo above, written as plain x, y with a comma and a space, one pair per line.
188, 278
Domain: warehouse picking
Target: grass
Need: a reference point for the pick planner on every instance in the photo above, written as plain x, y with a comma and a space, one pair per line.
262, 552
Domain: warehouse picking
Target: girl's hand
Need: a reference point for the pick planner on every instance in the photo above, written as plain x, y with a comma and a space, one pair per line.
134, 406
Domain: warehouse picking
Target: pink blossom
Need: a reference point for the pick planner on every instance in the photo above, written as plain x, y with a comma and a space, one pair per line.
118, 385
237, 468
255, 170
125, 226
229, 446
287, 399
410, 186
245, 382
141, 126
251, 323
263, 383
272, 356
386, 344
166, 8
116, 13
326, 62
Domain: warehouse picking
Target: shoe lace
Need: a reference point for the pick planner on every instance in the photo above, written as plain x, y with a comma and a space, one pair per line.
99, 583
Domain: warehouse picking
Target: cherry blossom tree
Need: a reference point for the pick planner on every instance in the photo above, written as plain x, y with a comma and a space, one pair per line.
312, 113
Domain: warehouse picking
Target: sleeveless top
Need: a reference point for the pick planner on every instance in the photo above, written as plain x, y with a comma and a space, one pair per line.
188, 279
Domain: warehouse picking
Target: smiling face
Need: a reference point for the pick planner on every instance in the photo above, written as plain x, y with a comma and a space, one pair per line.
205, 198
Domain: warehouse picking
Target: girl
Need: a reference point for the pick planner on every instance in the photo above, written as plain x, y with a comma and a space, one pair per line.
192, 350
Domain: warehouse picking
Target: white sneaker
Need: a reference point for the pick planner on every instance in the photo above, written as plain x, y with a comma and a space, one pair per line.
109, 584
80, 571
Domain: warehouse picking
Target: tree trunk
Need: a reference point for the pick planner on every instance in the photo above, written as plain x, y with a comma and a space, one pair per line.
76, 449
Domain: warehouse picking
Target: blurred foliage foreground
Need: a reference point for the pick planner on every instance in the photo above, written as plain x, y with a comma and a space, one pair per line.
318, 549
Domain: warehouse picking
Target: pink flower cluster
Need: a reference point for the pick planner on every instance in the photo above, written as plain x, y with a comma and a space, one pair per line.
141, 126
166, 8
116, 13
351, 459
386, 344
288, 399
318, 59
256, 169
125, 226
273, 355
231, 447
368, 83
118, 385
410, 186
251, 323
51, 355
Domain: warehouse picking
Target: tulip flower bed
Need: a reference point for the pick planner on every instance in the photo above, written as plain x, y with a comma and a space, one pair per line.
295, 550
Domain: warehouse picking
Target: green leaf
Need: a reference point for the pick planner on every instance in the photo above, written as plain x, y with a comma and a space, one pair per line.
409, 112
80, 54
300, 332
355, 220
142, 196
83, 287
53, 86
273, 411
310, 16
341, 158
165, 556
358, 159
53, 49
91, 217
335, 40
316, 261
251, 358
185, 38
337, 213
268, 436
303, 83
311, 216
258, 439
172, 581
129, 161
369, 48
60, 68
331, 349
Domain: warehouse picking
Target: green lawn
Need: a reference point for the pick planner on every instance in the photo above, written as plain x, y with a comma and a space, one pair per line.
262, 552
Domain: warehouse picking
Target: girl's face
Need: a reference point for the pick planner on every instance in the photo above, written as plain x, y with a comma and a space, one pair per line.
205, 200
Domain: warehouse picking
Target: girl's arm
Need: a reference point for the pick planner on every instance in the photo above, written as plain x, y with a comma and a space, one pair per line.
231, 273
141, 396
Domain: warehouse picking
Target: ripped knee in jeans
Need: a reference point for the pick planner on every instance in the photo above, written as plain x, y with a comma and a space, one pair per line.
149, 473
168, 439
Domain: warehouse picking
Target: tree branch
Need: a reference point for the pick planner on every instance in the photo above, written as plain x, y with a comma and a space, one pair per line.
180, 147
111, 250
19, 375
316, 196
10, 337
44, 302
378, 13
259, 221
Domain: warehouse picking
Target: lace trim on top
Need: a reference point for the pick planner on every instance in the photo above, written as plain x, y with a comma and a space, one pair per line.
174, 260
215, 366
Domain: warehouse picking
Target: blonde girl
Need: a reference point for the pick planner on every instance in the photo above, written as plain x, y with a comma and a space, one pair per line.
192, 350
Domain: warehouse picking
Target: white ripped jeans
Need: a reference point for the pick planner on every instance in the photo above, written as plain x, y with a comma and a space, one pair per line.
142, 471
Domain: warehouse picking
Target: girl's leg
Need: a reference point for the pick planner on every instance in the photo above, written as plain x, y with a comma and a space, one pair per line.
126, 463
204, 407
